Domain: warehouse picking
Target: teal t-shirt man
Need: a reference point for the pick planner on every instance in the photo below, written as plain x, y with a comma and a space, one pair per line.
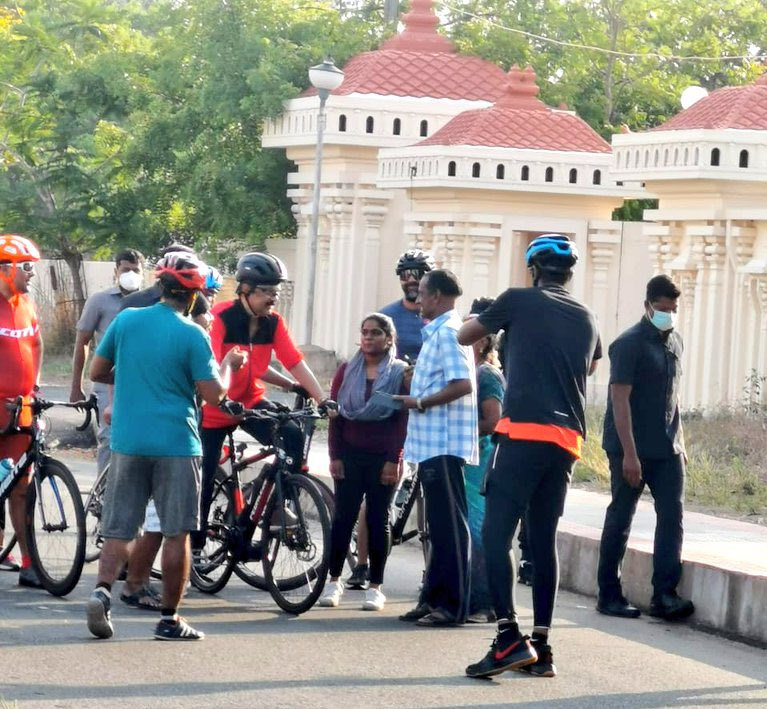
158, 355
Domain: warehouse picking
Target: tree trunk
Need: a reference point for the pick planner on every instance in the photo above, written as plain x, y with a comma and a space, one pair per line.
74, 260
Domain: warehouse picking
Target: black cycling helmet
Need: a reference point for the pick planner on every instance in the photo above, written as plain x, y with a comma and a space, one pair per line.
416, 259
261, 270
555, 253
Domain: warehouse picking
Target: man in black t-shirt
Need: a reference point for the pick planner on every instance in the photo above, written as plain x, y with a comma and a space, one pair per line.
552, 347
643, 441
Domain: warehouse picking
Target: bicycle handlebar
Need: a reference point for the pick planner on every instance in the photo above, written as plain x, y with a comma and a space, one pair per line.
278, 414
39, 405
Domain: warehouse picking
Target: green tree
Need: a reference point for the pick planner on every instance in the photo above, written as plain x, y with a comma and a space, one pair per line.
67, 85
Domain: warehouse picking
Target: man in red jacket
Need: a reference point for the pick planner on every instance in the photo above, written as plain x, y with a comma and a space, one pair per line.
250, 323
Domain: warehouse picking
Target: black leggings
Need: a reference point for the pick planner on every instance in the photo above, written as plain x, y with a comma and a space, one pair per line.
213, 439
525, 476
362, 477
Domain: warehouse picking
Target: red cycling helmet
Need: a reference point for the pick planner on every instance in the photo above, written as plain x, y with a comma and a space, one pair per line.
181, 271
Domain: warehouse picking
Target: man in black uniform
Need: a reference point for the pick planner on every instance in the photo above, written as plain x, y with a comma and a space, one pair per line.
644, 443
552, 347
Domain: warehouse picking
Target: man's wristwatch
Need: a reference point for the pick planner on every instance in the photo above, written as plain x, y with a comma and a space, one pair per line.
419, 406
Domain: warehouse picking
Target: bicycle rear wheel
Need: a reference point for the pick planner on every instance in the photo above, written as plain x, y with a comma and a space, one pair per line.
56, 527
297, 550
93, 507
212, 571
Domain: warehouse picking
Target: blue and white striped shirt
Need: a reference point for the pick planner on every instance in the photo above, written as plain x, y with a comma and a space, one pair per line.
450, 429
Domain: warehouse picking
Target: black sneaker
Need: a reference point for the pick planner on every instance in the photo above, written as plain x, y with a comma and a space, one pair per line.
28, 577
99, 614
180, 630
503, 657
544, 666
525, 573
359, 578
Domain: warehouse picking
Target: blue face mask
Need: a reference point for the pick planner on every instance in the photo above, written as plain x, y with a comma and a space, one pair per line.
662, 320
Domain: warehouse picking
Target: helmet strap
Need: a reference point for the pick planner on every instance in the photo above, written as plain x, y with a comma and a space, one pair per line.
11, 281
190, 303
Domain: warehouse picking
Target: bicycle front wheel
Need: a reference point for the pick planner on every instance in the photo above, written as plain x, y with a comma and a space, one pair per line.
296, 545
56, 527
93, 508
212, 570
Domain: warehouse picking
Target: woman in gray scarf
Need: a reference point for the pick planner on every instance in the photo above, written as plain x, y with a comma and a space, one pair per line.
365, 445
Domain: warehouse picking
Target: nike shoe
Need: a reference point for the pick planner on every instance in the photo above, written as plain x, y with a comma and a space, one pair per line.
504, 655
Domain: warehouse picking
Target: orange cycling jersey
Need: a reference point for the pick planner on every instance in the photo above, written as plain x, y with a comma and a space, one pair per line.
566, 438
19, 357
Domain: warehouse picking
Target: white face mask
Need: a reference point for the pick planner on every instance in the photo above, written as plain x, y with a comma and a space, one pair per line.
130, 281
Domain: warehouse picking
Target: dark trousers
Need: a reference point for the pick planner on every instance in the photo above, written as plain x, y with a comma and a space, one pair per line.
362, 478
212, 440
447, 582
525, 476
665, 478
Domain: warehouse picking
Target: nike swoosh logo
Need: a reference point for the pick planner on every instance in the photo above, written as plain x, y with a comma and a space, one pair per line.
500, 655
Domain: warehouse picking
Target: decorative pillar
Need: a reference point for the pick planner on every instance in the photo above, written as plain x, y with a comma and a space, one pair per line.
334, 323
374, 211
480, 282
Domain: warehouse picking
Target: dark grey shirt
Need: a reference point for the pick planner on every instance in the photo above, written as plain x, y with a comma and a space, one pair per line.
651, 363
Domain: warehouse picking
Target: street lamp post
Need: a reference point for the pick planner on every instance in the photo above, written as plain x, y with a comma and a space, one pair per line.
325, 78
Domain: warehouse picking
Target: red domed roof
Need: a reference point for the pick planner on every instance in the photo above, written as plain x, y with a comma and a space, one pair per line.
419, 62
738, 107
520, 120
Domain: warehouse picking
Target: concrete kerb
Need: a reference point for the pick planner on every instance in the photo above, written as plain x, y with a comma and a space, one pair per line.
728, 600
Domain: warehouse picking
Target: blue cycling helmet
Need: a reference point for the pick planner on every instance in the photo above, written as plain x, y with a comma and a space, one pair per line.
552, 252
214, 280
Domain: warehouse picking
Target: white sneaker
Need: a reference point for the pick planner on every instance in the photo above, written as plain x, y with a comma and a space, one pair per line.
332, 596
374, 600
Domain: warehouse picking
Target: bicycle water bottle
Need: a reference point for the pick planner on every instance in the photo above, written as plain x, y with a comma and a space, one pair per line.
6, 468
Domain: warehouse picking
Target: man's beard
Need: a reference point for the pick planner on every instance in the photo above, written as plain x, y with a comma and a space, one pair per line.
411, 294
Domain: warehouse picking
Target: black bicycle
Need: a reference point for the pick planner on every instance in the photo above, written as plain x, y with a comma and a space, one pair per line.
55, 524
279, 519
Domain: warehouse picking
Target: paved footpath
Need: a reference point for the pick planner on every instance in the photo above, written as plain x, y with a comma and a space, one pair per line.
256, 656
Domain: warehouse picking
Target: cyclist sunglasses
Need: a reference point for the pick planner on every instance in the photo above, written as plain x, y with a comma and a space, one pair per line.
409, 273
26, 266
269, 290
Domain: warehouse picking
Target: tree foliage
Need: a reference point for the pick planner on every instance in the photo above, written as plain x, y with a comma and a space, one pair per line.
129, 123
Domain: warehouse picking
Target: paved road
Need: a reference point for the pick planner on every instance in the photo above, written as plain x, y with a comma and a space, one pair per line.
255, 656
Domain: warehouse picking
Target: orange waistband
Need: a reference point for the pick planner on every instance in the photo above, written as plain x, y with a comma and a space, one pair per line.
566, 438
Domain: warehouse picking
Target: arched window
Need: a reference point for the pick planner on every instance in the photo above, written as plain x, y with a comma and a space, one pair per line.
396, 128
676, 156
451, 168
549, 174
525, 173
597, 177
369, 124
573, 176
475, 170
342, 123
424, 128
646, 158
743, 160
500, 172
686, 156
656, 157
715, 157
665, 156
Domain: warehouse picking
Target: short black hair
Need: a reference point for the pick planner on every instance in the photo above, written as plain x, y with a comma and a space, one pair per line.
444, 281
661, 287
129, 255
479, 305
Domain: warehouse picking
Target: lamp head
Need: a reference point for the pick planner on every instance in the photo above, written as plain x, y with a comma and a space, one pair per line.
326, 76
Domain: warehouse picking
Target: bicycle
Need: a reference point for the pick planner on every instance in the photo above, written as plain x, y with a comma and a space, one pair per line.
283, 522
248, 571
55, 523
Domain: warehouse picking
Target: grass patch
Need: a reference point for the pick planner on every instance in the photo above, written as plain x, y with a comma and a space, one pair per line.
727, 468
57, 369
